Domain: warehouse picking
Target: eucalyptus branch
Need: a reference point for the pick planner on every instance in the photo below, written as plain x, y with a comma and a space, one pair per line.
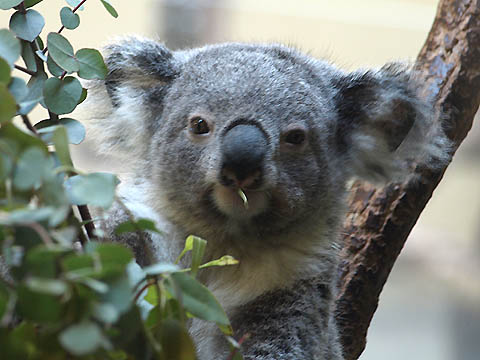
87, 219
25, 70
29, 125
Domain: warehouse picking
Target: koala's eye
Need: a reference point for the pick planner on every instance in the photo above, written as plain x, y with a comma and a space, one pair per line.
199, 126
295, 137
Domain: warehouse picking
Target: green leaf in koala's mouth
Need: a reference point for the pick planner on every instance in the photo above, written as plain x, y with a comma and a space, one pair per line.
244, 198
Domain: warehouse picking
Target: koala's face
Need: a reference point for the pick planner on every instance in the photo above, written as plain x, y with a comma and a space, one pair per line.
246, 121
281, 128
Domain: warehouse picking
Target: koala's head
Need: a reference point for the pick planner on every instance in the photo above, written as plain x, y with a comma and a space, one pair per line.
285, 129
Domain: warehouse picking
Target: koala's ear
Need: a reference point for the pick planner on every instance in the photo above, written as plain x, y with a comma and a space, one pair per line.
125, 107
384, 123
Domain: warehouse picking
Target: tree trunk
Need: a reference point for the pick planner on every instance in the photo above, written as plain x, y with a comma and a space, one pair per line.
379, 220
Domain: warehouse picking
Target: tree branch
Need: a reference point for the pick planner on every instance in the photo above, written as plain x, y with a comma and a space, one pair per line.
379, 220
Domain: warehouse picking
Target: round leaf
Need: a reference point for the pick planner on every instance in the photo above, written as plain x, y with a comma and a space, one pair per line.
47, 286
4, 72
109, 8
62, 96
61, 52
8, 4
54, 69
75, 129
28, 56
91, 64
30, 168
43, 308
10, 47
8, 106
69, 19
35, 94
18, 88
96, 189
82, 339
28, 25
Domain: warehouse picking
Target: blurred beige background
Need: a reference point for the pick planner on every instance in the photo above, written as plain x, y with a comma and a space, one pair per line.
430, 308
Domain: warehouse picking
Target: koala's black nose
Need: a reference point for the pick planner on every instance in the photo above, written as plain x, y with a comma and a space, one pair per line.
243, 151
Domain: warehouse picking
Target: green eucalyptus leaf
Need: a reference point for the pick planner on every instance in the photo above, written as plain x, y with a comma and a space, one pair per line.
69, 19
95, 189
27, 96
54, 69
20, 138
106, 313
6, 165
119, 295
18, 88
61, 52
95, 285
28, 25
8, 4
188, 247
113, 255
38, 307
83, 97
10, 47
47, 286
91, 64
60, 140
198, 251
75, 129
78, 263
62, 95
82, 339
28, 56
223, 261
27, 215
5, 71
30, 3
161, 268
140, 224
197, 299
111, 10
30, 169
175, 340
8, 105
41, 261
75, 3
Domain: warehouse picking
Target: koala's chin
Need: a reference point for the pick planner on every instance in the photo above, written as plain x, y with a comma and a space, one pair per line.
230, 203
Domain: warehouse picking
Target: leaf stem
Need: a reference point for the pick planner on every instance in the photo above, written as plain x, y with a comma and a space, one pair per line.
74, 9
25, 70
28, 124
149, 283
87, 219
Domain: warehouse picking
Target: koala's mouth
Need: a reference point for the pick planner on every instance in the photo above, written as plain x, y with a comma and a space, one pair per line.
237, 203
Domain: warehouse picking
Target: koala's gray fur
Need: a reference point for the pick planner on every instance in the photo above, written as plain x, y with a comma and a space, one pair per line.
366, 124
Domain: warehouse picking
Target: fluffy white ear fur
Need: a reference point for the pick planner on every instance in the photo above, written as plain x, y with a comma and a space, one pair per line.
120, 118
117, 130
397, 130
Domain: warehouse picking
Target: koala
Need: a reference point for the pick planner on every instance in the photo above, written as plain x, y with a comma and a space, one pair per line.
289, 131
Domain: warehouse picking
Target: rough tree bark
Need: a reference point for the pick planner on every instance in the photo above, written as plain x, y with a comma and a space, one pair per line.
379, 221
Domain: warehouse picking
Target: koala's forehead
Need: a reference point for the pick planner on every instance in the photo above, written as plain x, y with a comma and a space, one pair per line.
256, 77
